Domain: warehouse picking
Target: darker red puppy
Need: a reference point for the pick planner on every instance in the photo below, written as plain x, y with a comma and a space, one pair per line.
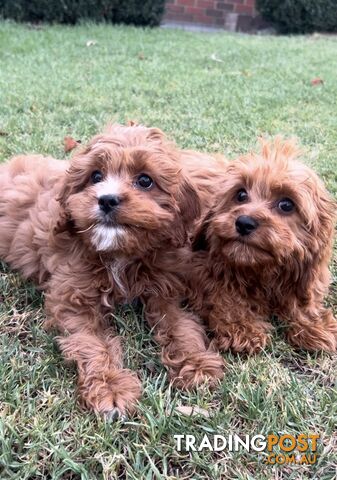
263, 249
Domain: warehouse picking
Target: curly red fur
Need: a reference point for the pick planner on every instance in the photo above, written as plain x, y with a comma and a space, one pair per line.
280, 268
88, 261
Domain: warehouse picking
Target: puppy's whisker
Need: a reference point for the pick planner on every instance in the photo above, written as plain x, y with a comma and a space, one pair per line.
87, 229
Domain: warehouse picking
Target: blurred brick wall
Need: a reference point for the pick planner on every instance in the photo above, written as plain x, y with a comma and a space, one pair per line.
230, 14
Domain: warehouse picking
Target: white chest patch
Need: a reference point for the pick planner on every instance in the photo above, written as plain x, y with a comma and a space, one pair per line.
117, 269
105, 237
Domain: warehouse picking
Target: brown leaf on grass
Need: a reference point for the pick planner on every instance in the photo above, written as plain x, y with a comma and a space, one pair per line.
317, 81
132, 123
141, 56
191, 411
70, 144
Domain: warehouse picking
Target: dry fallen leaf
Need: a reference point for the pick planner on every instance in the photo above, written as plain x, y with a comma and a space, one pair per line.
192, 411
70, 144
132, 123
317, 81
141, 56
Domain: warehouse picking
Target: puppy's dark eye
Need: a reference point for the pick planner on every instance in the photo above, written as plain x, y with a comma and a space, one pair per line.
96, 176
144, 181
242, 195
286, 205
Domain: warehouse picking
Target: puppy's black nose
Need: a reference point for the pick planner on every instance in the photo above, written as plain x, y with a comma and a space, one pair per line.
108, 202
245, 225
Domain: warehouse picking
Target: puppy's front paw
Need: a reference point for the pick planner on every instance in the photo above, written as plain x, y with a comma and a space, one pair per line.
113, 394
199, 368
243, 338
314, 337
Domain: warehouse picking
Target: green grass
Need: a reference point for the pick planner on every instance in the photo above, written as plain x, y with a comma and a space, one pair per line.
53, 85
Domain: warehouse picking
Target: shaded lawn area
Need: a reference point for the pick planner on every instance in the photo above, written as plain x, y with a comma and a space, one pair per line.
214, 92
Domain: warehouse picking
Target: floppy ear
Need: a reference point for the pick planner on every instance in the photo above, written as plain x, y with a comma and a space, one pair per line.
64, 222
189, 202
189, 209
199, 239
320, 210
71, 182
316, 276
310, 276
326, 212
